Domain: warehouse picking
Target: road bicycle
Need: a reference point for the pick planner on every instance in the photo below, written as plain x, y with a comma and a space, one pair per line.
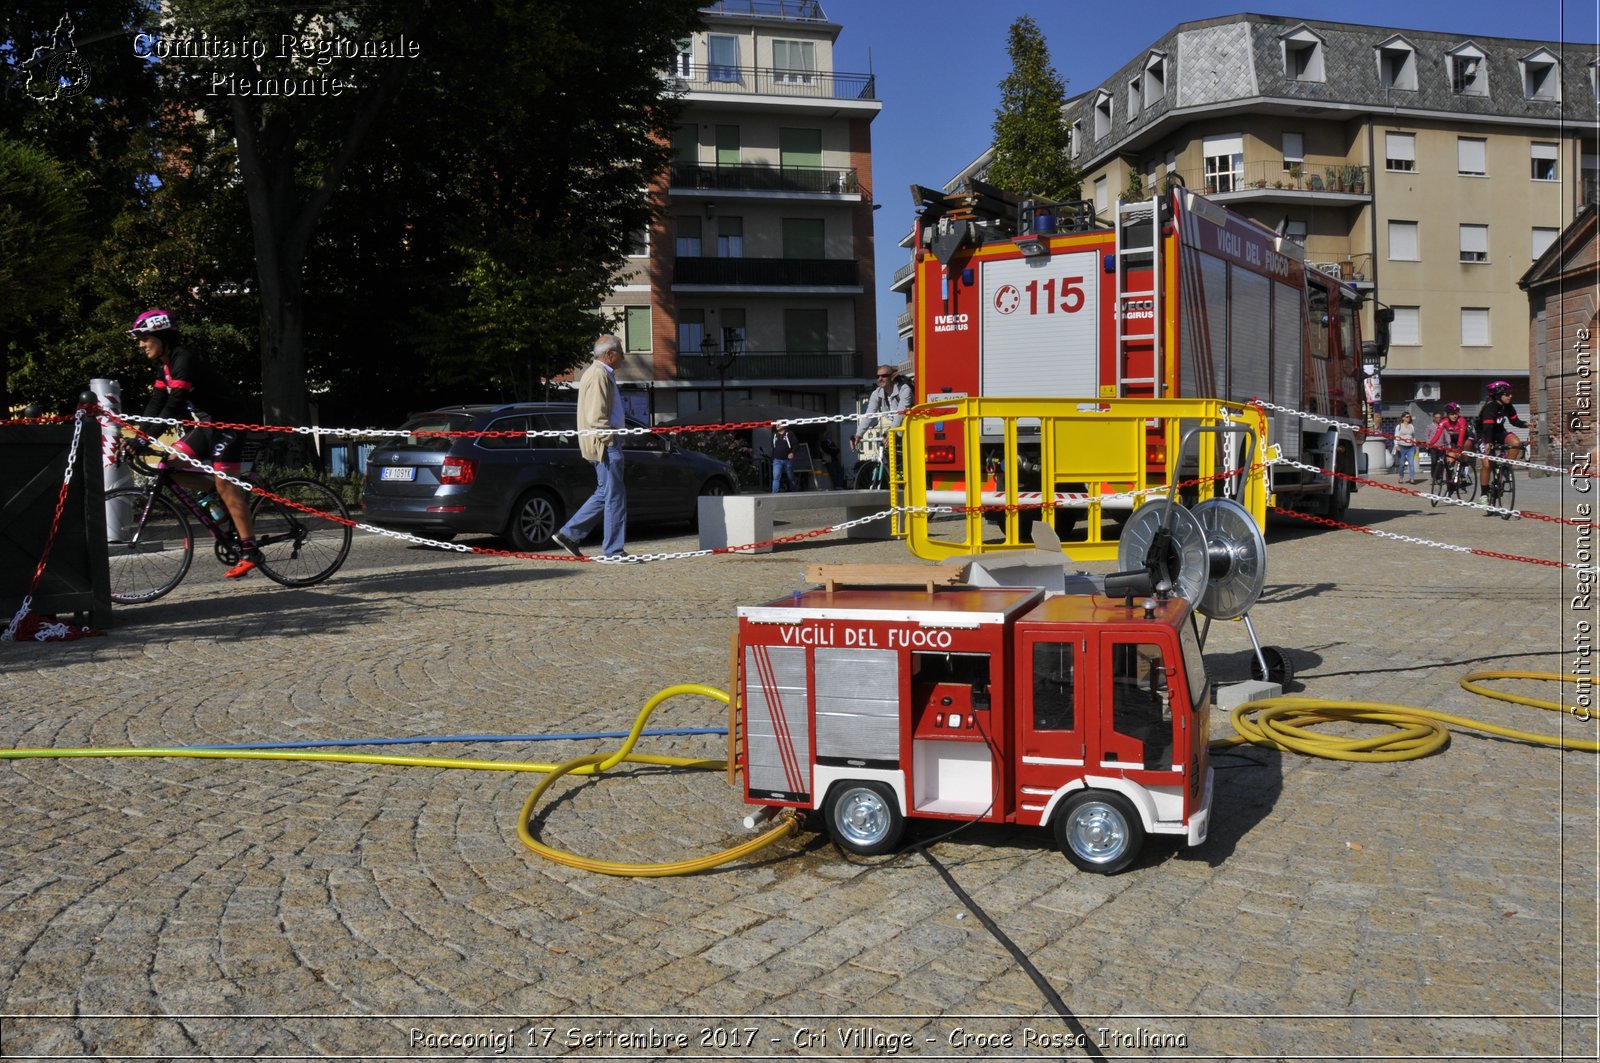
1453, 477
303, 539
1500, 489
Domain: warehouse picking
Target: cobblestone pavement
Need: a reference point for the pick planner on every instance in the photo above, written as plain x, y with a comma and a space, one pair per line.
184, 908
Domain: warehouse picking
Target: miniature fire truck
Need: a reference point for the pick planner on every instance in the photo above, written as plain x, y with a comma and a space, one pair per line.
1085, 713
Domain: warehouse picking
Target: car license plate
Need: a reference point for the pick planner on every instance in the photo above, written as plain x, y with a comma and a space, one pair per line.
397, 472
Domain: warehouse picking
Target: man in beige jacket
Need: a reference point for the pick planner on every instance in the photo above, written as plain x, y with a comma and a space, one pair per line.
600, 406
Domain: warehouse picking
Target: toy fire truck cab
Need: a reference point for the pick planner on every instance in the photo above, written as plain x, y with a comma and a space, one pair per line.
1079, 712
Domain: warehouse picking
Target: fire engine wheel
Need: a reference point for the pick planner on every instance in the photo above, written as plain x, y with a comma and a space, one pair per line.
863, 818
1099, 831
1279, 668
1339, 496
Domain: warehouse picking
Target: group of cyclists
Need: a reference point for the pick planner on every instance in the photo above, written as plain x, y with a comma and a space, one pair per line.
1489, 433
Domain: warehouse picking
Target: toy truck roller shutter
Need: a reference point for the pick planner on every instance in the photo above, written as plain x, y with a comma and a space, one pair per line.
777, 723
1041, 326
858, 705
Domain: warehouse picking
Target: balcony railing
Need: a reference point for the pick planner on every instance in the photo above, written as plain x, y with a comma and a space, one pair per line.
788, 10
768, 272
766, 81
773, 365
754, 177
1350, 179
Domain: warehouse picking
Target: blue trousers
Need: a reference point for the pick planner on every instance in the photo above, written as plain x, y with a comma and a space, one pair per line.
1405, 458
609, 501
782, 474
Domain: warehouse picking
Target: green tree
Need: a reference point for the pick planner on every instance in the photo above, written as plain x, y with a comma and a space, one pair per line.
1031, 143
41, 228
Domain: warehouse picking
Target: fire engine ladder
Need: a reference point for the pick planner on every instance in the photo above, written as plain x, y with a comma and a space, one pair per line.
1138, 244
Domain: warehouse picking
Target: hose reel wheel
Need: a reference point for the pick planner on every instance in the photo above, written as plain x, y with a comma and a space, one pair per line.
1214, 555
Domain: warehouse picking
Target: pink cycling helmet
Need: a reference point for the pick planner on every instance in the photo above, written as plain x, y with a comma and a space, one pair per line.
152, 322
1498, 387
1451, 407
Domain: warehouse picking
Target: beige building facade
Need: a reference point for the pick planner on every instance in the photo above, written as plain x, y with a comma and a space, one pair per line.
755, 283
1429, 168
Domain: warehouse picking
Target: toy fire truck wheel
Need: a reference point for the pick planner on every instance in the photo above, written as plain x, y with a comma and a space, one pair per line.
1099, 831
1280, 669
863, 818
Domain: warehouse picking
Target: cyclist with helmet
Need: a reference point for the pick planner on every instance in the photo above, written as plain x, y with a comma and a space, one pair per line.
1491, 427
187, 389
1452, 434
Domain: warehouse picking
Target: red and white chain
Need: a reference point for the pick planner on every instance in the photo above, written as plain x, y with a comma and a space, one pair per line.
49, 631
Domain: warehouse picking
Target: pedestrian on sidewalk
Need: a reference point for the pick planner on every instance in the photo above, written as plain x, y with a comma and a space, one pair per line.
1405, 449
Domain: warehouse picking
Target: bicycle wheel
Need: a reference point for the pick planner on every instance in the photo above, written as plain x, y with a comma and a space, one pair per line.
1469, 482
301, 546
1438, 479
1508, 491
150, 553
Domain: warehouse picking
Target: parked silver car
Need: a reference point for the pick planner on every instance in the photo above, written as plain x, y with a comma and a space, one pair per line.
520, 488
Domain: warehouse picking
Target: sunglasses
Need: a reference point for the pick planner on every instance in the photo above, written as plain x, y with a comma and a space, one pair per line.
883, 376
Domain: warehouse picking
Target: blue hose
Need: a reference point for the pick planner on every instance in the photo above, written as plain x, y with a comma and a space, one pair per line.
462, 738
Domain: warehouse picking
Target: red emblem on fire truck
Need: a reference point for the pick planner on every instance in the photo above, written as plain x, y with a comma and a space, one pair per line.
1007, 299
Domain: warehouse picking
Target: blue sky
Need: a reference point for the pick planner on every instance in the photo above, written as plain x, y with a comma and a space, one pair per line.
939, 64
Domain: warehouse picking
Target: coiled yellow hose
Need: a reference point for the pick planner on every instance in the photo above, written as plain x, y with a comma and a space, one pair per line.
1286, 723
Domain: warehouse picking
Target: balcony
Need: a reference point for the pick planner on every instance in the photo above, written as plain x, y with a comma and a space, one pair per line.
768, 272
1269, 180
755, 177
767, 81
773, 365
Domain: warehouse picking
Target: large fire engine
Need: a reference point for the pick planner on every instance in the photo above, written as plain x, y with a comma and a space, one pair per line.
1180, 298
1082, 706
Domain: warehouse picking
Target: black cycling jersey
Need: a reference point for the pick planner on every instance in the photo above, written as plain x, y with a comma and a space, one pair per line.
188, 389
1490, 427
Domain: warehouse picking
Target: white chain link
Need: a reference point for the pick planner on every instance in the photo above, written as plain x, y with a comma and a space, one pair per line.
10, 633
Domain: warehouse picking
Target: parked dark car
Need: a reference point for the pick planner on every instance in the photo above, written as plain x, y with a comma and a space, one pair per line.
520, 488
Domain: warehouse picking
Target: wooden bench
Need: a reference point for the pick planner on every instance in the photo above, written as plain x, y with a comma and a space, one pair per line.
740, 520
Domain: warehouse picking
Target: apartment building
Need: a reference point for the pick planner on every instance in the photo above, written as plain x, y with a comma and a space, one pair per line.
1429, 168
755, 284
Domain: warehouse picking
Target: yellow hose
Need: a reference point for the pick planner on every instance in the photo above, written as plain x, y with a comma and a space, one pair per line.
592, 764
1286, 723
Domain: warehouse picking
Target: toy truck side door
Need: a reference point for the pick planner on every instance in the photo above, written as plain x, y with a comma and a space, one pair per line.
1054, 723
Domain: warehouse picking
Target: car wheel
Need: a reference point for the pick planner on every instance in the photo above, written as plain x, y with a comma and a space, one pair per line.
716, 487
534, 519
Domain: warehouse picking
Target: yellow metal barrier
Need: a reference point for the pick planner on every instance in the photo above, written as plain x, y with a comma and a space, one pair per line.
1078, 463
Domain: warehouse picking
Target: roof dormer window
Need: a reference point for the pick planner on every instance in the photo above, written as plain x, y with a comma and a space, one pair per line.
1469, 72
1397, 65
1302, 56
1541, 76
1155, 78
1102, 114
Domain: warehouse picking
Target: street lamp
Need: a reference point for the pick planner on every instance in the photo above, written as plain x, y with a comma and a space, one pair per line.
732, 345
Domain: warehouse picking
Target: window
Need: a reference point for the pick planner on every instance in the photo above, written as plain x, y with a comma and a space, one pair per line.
689, 236
1135, 99
1397, 65
1400, 151
1102, 195
730, 237
683, 58
639, 243
686, 143
794, 62
803, 238
1294, 150
1474, 243
637, 328
728, 145
1469, 74
1405, 329
1471, 156
1302, 56
1102, 114
1542, 239
506, 424
1545, 157
1140, 708
1474, 326
1053, 682
1224, 163
1541, 76
691, 330
722, 51
733, 333
1296, 229
805, 331
800, 149
1155, 79
1403, 241
1077, 137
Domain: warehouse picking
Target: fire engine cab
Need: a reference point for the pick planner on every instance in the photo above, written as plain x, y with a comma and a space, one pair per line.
1085, 713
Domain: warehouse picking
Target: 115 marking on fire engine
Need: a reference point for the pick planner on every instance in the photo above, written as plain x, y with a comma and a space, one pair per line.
824, 634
